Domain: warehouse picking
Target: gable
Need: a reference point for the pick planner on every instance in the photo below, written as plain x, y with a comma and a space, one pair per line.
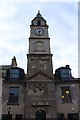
40, 76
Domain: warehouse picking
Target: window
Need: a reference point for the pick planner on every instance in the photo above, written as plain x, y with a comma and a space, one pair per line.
66, 96
61, 117
13, 95
18, 117
73, 116
65, 73
14, 73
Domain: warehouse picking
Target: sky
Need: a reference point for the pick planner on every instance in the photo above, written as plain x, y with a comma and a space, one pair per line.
62, 18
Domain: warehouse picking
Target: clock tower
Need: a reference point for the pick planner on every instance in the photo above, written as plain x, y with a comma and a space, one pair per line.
40, 95
39, 57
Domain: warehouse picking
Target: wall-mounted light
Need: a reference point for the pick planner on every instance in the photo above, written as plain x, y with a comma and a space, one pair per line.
62, 96
67, 91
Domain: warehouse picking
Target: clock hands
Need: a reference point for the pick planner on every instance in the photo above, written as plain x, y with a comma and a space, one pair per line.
39, 31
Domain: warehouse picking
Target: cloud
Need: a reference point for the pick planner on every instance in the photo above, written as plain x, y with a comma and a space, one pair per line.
15, 20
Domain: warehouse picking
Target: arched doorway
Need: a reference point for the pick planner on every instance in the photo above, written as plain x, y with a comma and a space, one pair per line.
40, 115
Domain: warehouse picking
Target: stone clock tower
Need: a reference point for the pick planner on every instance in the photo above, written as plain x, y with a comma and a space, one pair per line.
40, 94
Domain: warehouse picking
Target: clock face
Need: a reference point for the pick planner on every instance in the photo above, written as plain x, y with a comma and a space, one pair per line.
39, 31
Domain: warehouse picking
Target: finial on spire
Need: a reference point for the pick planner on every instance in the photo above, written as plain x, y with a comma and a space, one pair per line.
38, 11
38, 14
14, 62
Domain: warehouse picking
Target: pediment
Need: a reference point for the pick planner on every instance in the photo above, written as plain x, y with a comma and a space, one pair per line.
40, 76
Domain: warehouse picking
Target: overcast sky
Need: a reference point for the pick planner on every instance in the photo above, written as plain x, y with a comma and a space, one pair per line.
62, 18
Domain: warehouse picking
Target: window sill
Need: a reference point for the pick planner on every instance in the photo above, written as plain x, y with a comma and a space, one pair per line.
67, 102
12, 103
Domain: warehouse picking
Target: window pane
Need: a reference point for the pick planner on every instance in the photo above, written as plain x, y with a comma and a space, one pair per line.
65, 73
14, 73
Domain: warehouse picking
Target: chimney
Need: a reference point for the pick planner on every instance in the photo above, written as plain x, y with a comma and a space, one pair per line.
14, 62
67, 66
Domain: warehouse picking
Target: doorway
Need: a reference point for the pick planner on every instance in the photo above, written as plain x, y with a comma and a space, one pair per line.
40, 115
